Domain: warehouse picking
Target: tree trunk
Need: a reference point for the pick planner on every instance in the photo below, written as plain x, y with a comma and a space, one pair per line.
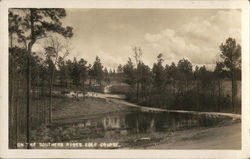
219, 90
28, 98
197, 96
90, 82
29, 77
233, 91
137, 92
83, 85
137, 124
186, 85
51, 87
137, 84
12, 113
50, 94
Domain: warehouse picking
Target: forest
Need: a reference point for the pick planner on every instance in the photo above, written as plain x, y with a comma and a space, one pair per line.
38, 79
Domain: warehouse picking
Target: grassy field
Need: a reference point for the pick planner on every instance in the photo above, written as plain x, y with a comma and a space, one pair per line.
66, 107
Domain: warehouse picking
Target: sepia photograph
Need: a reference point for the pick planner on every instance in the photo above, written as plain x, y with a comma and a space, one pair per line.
125, 78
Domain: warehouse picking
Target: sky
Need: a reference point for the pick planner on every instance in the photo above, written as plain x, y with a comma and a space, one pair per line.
193, 34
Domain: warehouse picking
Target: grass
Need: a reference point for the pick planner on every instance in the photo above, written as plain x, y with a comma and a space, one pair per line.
67, 108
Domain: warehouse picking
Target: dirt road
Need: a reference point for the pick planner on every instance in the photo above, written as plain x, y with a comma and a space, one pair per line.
224, 137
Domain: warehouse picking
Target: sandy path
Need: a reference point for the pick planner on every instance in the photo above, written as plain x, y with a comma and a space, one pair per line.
224, 137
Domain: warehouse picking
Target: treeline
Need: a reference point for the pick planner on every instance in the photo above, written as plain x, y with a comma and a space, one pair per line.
183, 86
78, 73
66, 74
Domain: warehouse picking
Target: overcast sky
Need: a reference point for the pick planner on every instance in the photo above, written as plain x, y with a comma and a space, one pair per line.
176, 33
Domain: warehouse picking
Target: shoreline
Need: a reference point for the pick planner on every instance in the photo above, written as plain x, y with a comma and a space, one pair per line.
227, 136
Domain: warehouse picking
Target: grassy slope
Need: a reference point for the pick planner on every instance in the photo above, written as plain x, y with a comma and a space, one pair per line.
66, 108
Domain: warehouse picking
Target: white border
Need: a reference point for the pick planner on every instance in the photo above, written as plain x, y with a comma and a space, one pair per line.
6, 153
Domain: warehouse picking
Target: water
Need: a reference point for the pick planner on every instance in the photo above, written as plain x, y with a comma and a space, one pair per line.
133, 122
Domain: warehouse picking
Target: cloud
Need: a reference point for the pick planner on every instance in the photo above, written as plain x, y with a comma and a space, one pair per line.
194, 34
109, 60
197, 40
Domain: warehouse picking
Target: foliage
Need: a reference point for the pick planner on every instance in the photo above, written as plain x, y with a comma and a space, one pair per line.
129, 72
231, 54
184, 68
96, 71
158, 72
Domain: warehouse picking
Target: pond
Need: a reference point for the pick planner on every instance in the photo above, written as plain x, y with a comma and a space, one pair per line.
133, 122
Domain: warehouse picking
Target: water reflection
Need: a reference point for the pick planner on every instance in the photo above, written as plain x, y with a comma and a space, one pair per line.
125, 123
